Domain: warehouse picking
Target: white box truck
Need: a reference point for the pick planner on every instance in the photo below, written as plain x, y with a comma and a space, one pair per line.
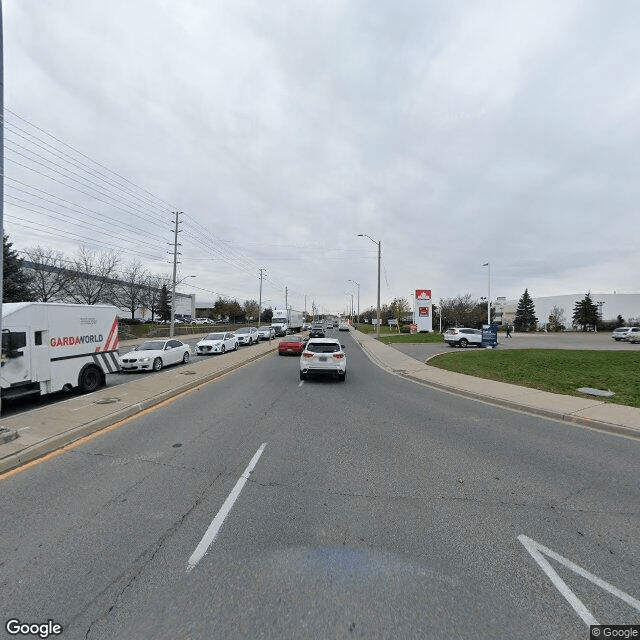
286, 321
49, 347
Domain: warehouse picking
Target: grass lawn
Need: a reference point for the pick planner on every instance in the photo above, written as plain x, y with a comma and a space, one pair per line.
555, 370
416, 338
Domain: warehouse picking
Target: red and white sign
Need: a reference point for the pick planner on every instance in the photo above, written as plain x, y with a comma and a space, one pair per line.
422, 310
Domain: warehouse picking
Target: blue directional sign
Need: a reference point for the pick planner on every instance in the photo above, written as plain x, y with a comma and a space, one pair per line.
490, 335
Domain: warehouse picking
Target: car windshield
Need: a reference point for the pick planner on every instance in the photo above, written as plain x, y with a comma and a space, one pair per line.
293, 339
323, 347
244, 330
215, 336
152, 345
264, 329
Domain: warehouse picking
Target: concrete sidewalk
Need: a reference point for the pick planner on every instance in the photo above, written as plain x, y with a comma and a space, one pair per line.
46, 429
606, 416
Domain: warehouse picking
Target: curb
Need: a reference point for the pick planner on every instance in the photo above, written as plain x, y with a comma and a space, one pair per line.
61, 440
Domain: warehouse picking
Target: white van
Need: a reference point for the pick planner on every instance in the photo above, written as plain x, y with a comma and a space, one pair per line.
48, 347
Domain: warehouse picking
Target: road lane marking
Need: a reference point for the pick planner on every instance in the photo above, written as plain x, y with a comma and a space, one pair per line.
301, 383
537, 550
216, 524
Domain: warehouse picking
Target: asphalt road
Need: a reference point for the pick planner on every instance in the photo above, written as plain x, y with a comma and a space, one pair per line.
375, 508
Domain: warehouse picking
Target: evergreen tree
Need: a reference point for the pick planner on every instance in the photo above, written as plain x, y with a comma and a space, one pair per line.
16, 282
619, 321
525, 319
164, 306
585, 313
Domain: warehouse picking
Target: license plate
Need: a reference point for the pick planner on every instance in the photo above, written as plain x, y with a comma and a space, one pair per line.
322, 358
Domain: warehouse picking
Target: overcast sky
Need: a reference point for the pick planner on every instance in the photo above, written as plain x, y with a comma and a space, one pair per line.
456, 133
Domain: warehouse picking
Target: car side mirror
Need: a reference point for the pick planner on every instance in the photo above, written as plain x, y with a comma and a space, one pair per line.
343, 347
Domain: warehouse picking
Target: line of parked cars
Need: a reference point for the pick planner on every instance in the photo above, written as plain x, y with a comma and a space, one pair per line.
153, 355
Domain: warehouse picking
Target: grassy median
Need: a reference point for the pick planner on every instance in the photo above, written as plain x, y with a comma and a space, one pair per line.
556, 370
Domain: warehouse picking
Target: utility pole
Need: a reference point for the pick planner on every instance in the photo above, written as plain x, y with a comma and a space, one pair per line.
260, 303
1, 164
286, 299
176, 244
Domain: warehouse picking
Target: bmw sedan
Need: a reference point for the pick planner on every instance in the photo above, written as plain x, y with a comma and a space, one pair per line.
217, 343
155, 354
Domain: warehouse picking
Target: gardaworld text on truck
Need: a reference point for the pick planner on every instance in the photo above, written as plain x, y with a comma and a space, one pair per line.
48, 347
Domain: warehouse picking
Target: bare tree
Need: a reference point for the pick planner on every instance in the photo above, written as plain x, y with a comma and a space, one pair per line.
458, 311
557, 320
152, 293
51, 274
95, 275
130, 290
250, 309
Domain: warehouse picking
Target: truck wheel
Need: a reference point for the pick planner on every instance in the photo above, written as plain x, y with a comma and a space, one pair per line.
90, 379
157, 364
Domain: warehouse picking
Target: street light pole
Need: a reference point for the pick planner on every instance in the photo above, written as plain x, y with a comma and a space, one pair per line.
260, 303
358, 284
488, 265
379, 243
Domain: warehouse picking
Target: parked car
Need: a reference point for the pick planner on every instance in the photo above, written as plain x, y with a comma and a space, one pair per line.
291, 345
202, 321
622, 332
155, 354
266, 332
217, 343
343, 326
633, 335
306, 326
247, 335
323, 356
317, 331
462, 337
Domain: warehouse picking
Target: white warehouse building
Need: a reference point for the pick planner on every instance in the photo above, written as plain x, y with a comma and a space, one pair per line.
626, 305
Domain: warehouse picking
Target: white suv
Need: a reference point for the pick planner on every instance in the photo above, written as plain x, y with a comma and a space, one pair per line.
622, 333
323, 355
247, 335
462, 336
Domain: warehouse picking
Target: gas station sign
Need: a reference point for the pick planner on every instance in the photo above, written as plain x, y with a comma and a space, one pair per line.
422, 309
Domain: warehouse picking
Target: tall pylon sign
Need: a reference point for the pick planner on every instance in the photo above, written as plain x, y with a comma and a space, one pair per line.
422, 310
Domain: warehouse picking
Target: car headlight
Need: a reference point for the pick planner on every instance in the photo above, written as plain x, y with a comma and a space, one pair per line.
144, 359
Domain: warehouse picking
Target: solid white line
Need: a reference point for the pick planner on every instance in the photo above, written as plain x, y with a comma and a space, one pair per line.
301, 383
217, 522
536, 550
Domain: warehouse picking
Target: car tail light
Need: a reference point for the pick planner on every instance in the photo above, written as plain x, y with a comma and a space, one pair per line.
305, 354
338, 356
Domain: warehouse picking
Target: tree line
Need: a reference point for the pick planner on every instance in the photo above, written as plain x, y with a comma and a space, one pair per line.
101, 278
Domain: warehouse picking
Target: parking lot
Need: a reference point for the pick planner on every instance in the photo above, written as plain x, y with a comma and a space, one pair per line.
601, 341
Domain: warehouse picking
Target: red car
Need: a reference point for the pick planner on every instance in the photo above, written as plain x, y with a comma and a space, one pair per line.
291, 345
